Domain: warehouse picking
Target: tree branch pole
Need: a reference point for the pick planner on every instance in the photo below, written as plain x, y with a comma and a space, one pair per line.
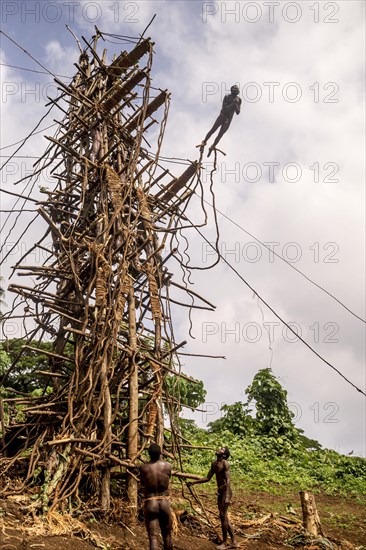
105, 491
132, 444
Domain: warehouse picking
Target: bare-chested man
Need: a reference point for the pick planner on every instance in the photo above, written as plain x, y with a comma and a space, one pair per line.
230, 105
155, 480
221, 468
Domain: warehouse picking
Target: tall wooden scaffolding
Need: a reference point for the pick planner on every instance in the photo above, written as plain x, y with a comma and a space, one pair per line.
102, 296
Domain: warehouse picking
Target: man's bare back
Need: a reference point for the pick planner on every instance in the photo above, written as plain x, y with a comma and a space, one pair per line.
155, 480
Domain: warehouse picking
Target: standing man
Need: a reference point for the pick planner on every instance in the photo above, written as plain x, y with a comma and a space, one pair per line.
221, 468
155, 480
230, 105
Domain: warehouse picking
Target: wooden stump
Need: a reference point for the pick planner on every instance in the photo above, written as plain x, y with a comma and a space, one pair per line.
310, 514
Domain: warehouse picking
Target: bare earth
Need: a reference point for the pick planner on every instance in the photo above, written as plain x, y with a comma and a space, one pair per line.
261, 521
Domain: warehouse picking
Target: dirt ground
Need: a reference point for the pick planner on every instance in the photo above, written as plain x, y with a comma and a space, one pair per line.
261, 521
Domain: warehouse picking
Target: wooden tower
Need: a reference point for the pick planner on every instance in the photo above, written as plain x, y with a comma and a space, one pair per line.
102, 296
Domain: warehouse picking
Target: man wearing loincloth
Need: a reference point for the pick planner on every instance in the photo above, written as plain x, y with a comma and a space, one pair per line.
221, 468
155, 480
230, 105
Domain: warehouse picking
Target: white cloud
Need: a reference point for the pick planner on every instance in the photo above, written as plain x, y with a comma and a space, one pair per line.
190, 53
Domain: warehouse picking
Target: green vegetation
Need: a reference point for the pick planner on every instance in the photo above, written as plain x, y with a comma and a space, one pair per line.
23, 377
267, 451
189, 393
255, 459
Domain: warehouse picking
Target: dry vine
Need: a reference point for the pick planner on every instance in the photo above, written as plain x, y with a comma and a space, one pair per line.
102, 297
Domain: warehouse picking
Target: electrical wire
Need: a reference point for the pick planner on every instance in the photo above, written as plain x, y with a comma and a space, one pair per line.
32, 70
178, 160
26, 52
284, 260
203, 236
15, 210
277, 315
21, 140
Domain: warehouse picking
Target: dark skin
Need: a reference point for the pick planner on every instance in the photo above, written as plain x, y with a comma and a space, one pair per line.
221, 469
155, 480
230, 105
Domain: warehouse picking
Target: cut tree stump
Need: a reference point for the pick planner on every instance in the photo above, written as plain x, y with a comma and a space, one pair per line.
311, 520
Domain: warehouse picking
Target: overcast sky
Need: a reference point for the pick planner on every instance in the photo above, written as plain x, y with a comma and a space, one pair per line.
293, 176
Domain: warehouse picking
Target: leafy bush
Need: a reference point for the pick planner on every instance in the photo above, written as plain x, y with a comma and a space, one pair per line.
273, 416
256, 459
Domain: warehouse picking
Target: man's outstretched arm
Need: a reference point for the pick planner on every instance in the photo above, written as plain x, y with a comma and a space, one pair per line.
204, 479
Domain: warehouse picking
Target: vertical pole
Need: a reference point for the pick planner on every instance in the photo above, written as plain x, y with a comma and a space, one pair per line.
105, 491
132, 444
2, 420
160, 408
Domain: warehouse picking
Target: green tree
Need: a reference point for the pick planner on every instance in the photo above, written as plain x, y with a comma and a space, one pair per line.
185, 393
190, 393
190, 430
273, 416
307, 442
4, 361
23, 377
236, 419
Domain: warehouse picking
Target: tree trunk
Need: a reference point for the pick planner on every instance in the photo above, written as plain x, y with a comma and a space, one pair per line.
2, 420
132, 447
105, 492
160, 423
310, 514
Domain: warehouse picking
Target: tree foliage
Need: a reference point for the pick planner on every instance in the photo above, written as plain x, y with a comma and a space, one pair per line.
256, 460
23, 377
190, 393
236, 419
273, 416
